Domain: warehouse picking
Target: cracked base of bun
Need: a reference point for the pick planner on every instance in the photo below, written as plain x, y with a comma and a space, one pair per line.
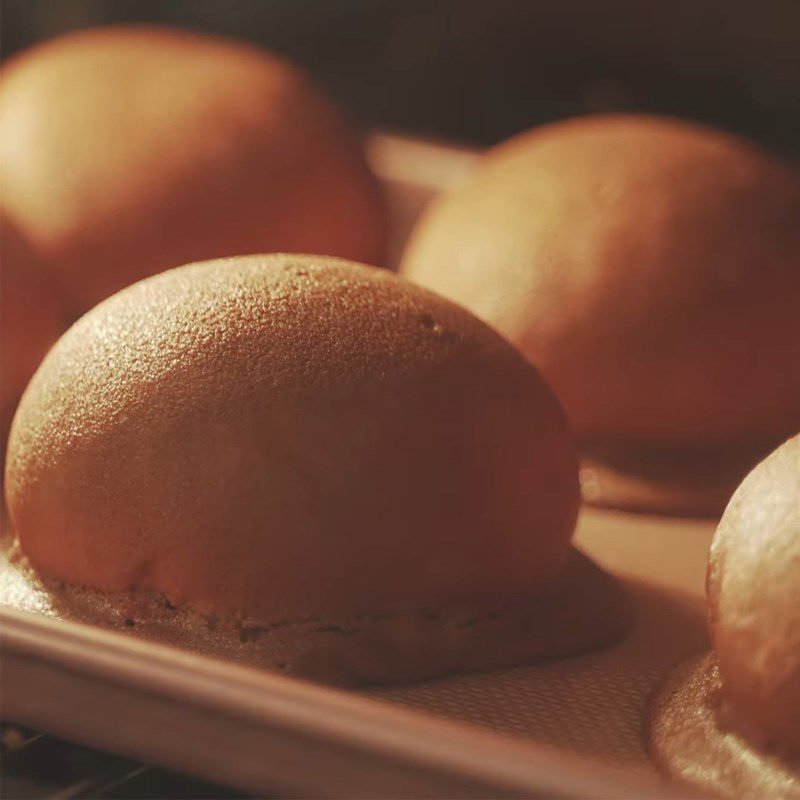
688, 741
583, 609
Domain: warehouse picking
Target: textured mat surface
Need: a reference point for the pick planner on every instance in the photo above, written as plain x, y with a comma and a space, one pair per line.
594, 704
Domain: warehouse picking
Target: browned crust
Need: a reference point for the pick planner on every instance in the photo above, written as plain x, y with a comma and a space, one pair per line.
291, 434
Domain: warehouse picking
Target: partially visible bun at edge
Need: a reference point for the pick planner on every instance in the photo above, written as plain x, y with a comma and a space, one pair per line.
729, 722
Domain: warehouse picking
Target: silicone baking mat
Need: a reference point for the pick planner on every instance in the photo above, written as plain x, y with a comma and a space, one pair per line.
593, 705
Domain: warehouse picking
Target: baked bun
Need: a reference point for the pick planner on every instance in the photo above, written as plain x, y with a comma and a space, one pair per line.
648, 268
732, 722
32, 317
754, 599
127, 150
273, 439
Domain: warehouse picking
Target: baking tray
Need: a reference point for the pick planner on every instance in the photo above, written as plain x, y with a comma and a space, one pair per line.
570, 728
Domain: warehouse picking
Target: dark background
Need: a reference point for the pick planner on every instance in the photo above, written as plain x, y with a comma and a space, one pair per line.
480, 71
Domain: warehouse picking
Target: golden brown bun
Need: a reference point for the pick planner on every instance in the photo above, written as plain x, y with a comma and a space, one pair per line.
127, 150
648, 267
277, 436
754, 601
32, 317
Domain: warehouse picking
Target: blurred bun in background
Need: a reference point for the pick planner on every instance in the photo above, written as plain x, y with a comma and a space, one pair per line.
32, 317
127, 150
650, 268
